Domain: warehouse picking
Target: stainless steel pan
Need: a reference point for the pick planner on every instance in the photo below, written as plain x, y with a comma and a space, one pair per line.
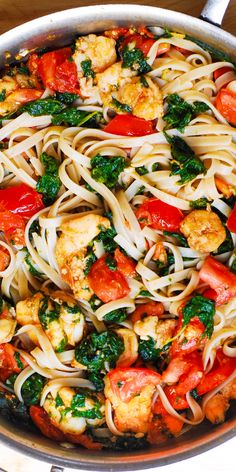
56, 30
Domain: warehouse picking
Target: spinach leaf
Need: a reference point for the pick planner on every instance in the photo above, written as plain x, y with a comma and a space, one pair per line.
46, 316
145, 293
135, 59
97, 349
227, 245
107, 238
90, 259
32, 269
49, 184
72, 117
34, 228
185, 163
216, 53
144, 81
107, 169
15, 411
43, 106
148, 351
198, 204
204, 309
18, 360
180, 113
141, 170
3, 95
180, 237
78, 404
129, 443
121, 106
87, 68
233, 266
96, 379
111, 263
116, 316
32, 389
66, 98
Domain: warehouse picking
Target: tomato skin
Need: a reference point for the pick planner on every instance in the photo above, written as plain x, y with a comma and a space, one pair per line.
178, 402
183, 51
147, 309
226, 105
190, 340
219, 72
21, 200
219, 278
107, 284
125, 265
231, 223
129, 125
140, 41
222, 369
126, 382
42, 421
8, 362
159, 215
57, 72
13, 227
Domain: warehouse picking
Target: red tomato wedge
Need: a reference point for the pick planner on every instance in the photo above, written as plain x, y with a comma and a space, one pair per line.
222, 369
107, 284
219, 72
8, 361
129, 125
159, 215
226, 105
147, 309
47, 428
127, 382
219, 278
21, 200
140, 41
231, 223
191, 339
57, 72
42, 421
13, 227
125, 265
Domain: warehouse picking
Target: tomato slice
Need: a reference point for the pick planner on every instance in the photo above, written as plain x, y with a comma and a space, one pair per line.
219, 278
191, 339
222, 369
128, 382
129, 125
107, 284
183, 51
125, 265
222, 70
147, 309
226, 105
13, 227
42, 421
8, 361
140, 41
231, 223
159, 215
21, 200
57, 72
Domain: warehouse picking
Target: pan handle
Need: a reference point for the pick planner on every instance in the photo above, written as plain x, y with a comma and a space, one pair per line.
214, 10
55, 468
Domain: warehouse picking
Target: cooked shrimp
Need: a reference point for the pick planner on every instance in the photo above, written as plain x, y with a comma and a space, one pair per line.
7, 324
71, 249
99, 50
217, 406
60, 318
72, 411
145, 102
111, 79
130, 354
203, 230
159, 330
133, 415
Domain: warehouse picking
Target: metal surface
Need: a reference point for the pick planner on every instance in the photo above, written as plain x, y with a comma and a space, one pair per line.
56, 30
214, 11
